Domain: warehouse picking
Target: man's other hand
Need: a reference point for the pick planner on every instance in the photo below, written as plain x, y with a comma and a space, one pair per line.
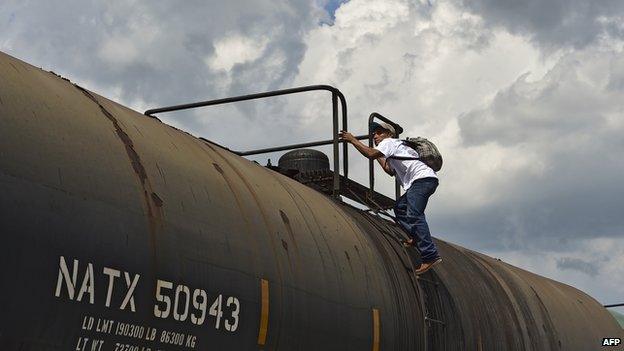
346, 136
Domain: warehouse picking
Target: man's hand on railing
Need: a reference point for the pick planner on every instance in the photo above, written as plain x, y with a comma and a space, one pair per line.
346, 136
368, 152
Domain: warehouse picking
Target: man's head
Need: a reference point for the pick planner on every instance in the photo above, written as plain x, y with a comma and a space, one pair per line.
381, 131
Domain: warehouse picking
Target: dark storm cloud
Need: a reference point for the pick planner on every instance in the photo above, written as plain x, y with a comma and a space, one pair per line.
570, 263
553, 23
541, 213
567, 128
559, 105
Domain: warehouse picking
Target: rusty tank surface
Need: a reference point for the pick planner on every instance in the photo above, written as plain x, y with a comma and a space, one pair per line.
123, 233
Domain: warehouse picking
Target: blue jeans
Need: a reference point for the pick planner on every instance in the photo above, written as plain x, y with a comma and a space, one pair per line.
410, 214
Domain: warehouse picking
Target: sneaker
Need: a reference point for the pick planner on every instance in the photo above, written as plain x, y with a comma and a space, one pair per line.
425, 266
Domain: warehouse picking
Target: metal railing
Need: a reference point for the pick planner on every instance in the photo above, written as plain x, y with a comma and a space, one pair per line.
614, 305
335, 96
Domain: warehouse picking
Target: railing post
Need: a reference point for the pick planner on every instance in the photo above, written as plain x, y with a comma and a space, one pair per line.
371, 163
336, 192
397, 185
345, 146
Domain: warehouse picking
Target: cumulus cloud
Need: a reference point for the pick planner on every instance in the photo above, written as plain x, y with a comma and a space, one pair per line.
581, 93
236, 49
553, 23
560, 134
414, 68
157, 53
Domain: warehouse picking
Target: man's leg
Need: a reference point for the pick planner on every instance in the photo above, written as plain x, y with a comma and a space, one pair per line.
417, 197
400, 212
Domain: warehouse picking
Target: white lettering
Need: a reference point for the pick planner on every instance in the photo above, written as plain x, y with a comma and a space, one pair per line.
215, 310
232, 327
151, 334
112, 274
131, 287
82, 342
88, 285
87, 323
162, 284
96, 345
200, 306
104, 325
611, 341
176, 304
70, 283
190, 341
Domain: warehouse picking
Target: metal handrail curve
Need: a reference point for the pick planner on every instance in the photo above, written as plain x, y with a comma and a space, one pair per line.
336, 95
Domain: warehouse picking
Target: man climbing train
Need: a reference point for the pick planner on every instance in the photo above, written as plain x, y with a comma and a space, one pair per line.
417, 179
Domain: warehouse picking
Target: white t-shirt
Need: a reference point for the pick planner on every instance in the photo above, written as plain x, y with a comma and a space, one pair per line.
407, 171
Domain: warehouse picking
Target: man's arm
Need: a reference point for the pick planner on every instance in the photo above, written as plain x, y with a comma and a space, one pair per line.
386, 167
368, 152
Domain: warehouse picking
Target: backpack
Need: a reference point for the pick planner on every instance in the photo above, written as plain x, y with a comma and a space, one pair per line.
427, 151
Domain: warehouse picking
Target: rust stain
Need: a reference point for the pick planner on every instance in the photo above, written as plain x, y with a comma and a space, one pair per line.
271, 231
157, 200
320, 229
162, 175
290, 191
547, 320
349, 261
59, 76
132, 154
153, 202
285, 246
267, 223
289, 229
238, 201
218, 168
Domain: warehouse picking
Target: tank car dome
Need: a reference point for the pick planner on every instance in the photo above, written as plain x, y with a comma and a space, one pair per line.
304, 160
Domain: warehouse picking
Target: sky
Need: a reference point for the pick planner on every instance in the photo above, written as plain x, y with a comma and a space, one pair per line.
524, 98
